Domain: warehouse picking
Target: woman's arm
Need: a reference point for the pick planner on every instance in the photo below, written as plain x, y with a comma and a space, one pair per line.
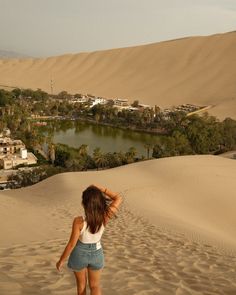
115, 197
75, 233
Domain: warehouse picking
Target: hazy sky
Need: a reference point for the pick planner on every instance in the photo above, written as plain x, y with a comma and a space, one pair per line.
53, 27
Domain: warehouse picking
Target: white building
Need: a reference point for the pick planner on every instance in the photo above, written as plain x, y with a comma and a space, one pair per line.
121, 102
82, 99
14, 153
98, 100
12, 160
10, 146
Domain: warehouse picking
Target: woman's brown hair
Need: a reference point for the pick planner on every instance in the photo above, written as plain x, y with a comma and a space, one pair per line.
96, 207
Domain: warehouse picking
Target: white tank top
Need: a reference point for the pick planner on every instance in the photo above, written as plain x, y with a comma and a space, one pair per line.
87, 237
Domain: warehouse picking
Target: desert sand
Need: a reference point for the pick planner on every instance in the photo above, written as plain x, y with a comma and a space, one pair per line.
175, 232
198, 70
229, 155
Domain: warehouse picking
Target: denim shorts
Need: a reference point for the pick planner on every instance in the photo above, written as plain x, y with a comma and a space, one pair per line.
86, 255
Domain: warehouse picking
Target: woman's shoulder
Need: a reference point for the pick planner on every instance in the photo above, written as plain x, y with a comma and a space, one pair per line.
79, 218
80, 221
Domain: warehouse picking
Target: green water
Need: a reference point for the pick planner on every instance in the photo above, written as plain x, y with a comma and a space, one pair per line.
109, 139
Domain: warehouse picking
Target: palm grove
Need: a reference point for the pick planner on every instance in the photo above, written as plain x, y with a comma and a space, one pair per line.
181, 134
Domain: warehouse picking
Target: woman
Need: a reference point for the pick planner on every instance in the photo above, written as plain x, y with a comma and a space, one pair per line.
84, 248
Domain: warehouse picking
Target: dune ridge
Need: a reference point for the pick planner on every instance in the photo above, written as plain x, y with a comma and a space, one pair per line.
175, 233
198, 70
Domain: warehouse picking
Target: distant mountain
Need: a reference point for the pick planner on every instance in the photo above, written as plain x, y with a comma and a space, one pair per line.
11, 54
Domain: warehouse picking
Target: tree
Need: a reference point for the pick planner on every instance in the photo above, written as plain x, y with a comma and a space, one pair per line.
130, 155
203, 134
40, 95
3, 98
182, 145
54, 110
164, 147
16, 92
147, 116
157, 110
100, 159
61, 156
115, 159
97, 117
174, 121
52, 155
63, 95
135, 104
148, 147
74, 164
83, 150
228, 134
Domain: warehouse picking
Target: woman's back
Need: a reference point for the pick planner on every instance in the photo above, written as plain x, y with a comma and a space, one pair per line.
87, 237
84, 248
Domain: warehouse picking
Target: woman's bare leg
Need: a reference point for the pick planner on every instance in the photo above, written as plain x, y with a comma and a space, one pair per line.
94, 281
81, 281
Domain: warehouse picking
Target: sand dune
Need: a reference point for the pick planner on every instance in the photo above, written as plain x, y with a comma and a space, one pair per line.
175, 234
197, 70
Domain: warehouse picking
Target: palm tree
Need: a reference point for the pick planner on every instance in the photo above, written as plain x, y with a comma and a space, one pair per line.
83, 150
148, 146
132, 152
115, 159
47, 145
52, 154
100, 159
130, 155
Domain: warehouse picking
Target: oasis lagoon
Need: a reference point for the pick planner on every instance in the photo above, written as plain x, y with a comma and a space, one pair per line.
107, 138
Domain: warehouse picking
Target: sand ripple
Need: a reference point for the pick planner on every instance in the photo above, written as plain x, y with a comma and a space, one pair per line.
140, 258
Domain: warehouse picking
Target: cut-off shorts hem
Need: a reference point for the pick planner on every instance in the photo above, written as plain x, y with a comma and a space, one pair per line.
86, 267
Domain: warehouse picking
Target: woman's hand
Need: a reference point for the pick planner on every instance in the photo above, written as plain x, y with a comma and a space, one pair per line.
59, 265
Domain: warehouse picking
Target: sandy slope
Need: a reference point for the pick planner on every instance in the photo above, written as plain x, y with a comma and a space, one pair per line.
198, 70
229, 155
175, 234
